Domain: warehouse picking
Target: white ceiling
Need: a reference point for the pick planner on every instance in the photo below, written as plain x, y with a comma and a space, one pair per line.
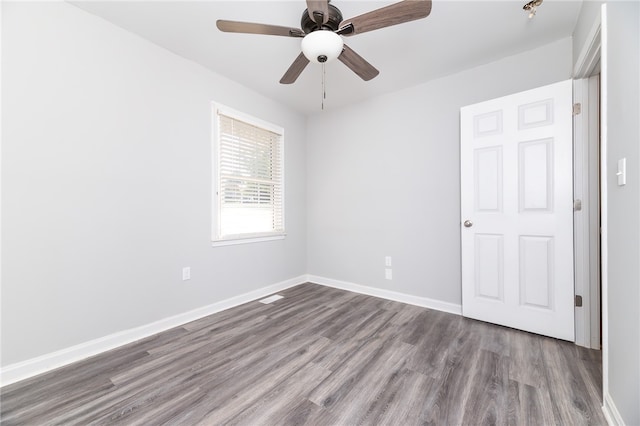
457, 35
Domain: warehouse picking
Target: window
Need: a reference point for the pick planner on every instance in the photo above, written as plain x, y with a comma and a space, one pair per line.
248, 199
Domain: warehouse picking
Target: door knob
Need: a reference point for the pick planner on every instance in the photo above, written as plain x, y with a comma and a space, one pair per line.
468, 224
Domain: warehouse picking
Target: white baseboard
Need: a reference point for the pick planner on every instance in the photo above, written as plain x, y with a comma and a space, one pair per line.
424, 302
611, 413
32, 367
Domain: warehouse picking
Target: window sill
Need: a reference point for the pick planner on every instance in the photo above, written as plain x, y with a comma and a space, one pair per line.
246, 240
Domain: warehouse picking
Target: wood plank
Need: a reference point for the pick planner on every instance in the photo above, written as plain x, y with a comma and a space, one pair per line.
449, 398
526, 364
276, 404
435, 341
528, 405
263, 385
341, 350
359, 401
404, 402
488, 396
568, 392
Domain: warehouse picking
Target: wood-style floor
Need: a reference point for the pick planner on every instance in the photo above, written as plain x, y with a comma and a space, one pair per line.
322, 356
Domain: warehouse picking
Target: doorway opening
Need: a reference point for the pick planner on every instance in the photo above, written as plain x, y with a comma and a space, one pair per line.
587, 190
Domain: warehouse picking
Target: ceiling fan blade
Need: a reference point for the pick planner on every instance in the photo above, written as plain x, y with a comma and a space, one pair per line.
295, 69
318, 11
357, 64
253, 28
397, 13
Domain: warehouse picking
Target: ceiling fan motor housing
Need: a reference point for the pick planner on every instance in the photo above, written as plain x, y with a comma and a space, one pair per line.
308, 25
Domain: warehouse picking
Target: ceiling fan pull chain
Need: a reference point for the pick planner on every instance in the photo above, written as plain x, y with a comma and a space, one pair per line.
324, 92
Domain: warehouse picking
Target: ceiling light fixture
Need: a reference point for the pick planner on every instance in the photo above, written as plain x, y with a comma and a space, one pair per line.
322, 46
532, 7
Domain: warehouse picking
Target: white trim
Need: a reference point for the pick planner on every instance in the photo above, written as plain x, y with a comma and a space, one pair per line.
31, 367
1, 174
581, 217
247, 240
590, 53
215, 186
424, 302
594, 209
610, 411
247, 118
604, 216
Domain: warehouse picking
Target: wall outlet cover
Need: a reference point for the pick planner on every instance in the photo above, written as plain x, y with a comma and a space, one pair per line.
186, 273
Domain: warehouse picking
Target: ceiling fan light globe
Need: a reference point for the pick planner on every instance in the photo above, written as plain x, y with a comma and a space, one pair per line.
322, 46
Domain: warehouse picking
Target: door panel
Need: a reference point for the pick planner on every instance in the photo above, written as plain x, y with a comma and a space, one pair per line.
536, 267
490, 267
488, 179
535, 180
516, 177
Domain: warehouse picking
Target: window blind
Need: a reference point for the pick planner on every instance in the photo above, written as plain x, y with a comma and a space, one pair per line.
250, 189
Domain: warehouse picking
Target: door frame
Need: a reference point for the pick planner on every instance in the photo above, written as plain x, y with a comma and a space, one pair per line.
587, 232
587, 213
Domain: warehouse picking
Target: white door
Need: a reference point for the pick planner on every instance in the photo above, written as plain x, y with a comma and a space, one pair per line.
517, 211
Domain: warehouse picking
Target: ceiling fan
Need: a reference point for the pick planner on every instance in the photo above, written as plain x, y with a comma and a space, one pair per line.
322, 28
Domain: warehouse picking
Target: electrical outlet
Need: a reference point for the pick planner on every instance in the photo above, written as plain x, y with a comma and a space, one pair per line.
387, 261
186, 273
388, 274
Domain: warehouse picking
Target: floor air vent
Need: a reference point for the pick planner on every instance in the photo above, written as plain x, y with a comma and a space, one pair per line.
271, 299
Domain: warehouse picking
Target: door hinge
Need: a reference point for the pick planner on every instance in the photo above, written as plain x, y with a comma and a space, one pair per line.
577, 108
578, 301
577, 205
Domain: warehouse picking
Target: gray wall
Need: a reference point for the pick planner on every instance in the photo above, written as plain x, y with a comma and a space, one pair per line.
383, 177
623, 242
106, 183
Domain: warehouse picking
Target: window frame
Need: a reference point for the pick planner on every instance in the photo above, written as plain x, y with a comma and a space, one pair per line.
217, 239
